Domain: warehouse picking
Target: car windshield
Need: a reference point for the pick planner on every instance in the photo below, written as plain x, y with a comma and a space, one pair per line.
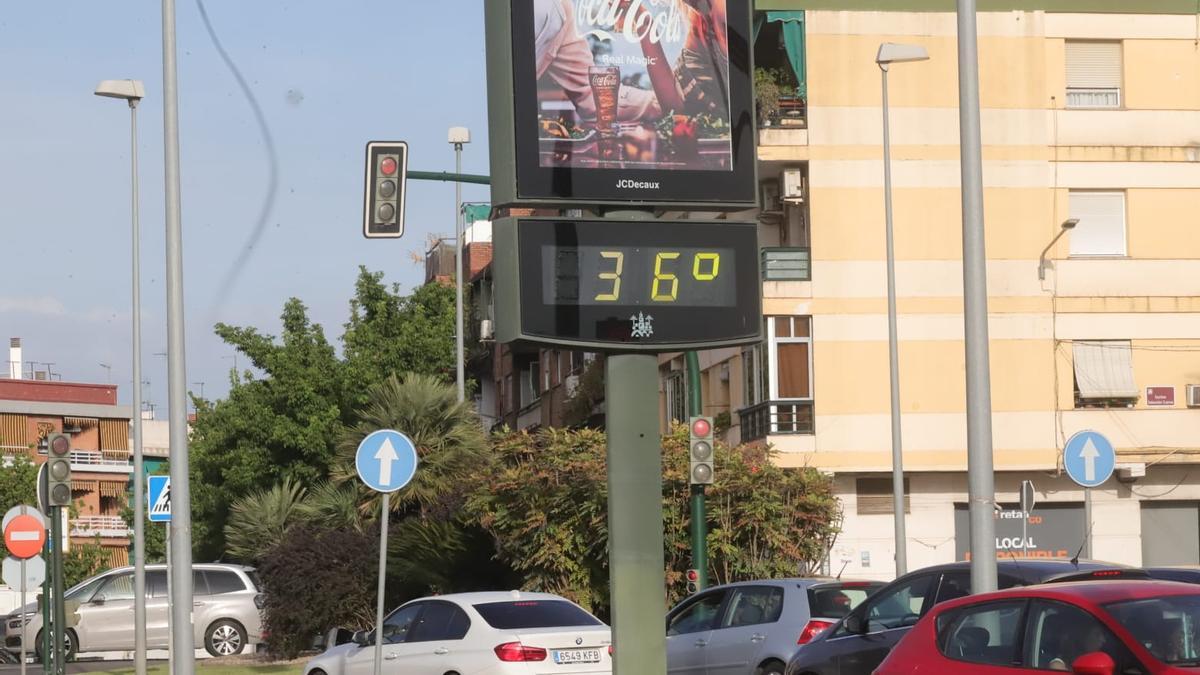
534, 614
836, 601
1166, 626
83, 592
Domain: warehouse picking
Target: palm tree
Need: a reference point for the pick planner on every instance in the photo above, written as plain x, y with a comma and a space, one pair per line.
258, 521
451, 446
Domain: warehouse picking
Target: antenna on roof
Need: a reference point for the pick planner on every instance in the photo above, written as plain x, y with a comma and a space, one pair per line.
1086, 536
839, 574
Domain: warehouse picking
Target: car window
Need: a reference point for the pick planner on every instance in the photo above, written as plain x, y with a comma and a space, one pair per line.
751, 605
118, 587
837, 600
954, 585
223, 581
199, 585
253, 576
988, 633
514, 615
84, 592
1168, 627
899, 605
698, 616
397, 626
1058, 633
440, 621
156, 583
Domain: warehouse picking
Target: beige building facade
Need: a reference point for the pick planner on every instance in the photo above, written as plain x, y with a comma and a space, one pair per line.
1086, 115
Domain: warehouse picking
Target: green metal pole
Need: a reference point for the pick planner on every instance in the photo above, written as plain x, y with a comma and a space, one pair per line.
46, 617
635, 522
699, 511
450, 177
60, 619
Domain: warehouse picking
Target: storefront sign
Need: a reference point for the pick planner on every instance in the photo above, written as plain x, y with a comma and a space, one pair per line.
1054, 531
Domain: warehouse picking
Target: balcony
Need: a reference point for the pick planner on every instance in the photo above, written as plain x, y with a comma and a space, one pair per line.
83, 460
99, 526
771, 418
786, 264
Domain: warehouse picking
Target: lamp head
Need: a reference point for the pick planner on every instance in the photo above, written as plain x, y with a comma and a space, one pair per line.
1070, 223
891, 52
129, 90
459, 135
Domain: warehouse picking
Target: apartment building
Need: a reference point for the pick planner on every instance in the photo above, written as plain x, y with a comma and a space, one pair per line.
1087, 116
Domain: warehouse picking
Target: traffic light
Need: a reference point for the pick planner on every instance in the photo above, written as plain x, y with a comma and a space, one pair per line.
383, 196
700, 451
693, 581
58, 469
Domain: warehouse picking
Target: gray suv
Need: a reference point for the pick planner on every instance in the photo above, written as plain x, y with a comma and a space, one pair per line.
226, 611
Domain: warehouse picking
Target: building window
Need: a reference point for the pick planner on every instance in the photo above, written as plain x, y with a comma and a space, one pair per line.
785, 366
1104, 374
874, 496
530, 382
1093, 74
506, 396
675, 389
1101, 228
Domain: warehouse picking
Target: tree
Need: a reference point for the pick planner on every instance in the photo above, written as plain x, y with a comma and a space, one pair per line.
259, 521
18, 485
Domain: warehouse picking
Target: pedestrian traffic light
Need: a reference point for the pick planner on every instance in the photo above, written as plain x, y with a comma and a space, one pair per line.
700, 451
383, 196
58, 469
693, 581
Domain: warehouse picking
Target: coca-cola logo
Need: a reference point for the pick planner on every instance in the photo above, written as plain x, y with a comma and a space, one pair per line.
605, 80
635, 20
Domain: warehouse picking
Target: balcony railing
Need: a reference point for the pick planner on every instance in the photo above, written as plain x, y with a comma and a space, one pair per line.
786, 264
1099, 98
771, 418
104, 526
85, 460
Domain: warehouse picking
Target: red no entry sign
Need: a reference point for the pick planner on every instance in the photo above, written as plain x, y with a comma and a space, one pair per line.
24, 536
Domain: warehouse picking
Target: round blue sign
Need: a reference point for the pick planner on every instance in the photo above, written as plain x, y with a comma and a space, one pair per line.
1089, 459
386, 460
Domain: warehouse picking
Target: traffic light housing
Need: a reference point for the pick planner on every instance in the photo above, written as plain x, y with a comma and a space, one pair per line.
58, 469
700, 451
383, 196
693, 581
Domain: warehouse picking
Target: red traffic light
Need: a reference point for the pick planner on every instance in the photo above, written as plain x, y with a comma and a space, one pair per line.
693, 576
701, 427
387, 166
60, 445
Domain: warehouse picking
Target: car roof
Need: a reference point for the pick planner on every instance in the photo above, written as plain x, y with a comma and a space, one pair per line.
801, 582
1029, 569
161, 566
492, 596
1090, 592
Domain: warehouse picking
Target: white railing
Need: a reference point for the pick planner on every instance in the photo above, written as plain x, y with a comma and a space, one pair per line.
1093, 98
94, 461
105, 526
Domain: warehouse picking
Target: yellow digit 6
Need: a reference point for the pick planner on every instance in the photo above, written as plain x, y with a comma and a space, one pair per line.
660, 276
714, 258
614, 276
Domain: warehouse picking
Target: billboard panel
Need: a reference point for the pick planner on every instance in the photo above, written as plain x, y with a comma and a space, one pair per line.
613, 101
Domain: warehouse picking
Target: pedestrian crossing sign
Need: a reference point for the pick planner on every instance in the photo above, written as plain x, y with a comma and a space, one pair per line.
158, 496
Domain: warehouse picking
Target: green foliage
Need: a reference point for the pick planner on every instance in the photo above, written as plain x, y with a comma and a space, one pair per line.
18, 485
580, 409
258, 521
771, 84
155, 534
83, 561
546, 507
316, 579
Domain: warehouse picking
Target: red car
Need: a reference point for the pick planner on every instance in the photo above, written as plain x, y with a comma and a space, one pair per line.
1092, 627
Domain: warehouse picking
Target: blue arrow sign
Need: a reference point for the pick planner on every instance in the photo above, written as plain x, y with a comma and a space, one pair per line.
158, 498
1089, 459
386, 460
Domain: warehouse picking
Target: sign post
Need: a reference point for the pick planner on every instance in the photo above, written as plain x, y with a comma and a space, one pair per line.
158, 510
386, 461
1028, 500
1089, 459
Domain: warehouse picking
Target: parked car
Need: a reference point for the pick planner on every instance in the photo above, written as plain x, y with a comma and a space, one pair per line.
226, 611
498, 633
1094, 628
860, 641
1188, 574
754, 627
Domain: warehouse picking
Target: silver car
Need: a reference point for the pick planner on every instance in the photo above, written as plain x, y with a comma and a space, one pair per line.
226, 611
755, 627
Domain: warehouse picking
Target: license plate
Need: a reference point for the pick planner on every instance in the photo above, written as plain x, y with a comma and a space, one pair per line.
577, 656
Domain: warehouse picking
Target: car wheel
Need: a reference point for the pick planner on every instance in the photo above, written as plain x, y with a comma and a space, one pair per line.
225, 638
68, 645
771, 667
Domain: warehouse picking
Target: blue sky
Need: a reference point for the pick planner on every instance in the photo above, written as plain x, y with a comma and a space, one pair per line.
329, 77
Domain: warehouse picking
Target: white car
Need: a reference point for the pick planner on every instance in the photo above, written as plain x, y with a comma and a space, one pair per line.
496, 633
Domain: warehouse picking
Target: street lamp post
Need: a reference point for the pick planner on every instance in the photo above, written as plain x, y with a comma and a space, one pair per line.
888, 54
132, 92
458, 137
1067, 225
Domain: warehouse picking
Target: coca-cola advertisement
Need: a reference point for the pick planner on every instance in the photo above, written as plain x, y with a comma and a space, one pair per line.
628, 84
616, 101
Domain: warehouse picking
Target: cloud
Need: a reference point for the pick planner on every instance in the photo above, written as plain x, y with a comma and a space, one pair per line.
46, 305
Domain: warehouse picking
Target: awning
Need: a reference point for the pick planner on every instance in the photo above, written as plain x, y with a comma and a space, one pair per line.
112, 489
1104, 369
793, 42
78, 485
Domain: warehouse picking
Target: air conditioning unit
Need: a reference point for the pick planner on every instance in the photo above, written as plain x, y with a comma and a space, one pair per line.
1128, 473
793, 185
770, 196
1193, 396
487, 329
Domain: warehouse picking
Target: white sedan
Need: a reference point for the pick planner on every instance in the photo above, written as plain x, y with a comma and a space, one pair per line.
497, 633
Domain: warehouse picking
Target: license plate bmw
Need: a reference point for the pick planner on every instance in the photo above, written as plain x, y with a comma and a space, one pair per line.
565, 656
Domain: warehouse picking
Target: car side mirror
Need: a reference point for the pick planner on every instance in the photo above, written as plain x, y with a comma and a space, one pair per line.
855, 623
98, 599
360, 638
1094, 663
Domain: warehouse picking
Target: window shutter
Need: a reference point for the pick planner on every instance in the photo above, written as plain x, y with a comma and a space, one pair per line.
874, 496
1104, 369
1101, 228
1093, 65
